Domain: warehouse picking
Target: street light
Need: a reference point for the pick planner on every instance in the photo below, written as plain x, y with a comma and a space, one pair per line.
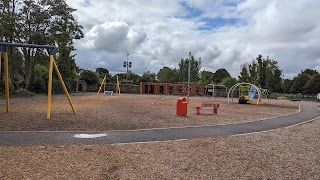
127, 65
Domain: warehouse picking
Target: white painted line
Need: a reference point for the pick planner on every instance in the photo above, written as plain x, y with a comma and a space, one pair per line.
89, 136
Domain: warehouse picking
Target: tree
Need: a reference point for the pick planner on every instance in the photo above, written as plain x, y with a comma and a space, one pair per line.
287, 83
228, 82
148, 77
102, 72
39, 83
89, 77
299, 82
244, 75
195, 66
313, 85
167, 75
264, 73
206, 77
219, 75
38, 22
63, 30
309, 72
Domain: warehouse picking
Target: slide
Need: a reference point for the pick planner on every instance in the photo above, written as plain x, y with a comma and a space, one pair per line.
253, 91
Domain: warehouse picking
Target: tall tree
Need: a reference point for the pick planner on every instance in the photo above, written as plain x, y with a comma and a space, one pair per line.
299, 82
309, 72
8, 29
33, 24
228, 82
264, 73
148, 77
244, 75
287, 83
195, 66
64, 29
313, 85
219, 75
167, 75
206, 77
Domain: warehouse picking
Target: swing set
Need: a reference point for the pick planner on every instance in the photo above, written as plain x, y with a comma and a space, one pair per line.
52, 65
104, 84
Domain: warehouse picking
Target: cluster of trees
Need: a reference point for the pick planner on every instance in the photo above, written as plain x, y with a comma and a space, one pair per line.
263, 72
166, 74
38, 22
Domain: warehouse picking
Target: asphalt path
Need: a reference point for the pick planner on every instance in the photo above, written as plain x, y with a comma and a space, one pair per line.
307, 113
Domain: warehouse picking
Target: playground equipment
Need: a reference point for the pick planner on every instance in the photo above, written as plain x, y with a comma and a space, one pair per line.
104, 84
247, 93
52, 65
210, 88
265, 93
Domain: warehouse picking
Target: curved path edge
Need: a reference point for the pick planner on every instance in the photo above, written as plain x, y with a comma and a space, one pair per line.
306, 114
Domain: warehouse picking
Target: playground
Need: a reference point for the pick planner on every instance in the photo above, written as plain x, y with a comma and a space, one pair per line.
129, 112
284, 153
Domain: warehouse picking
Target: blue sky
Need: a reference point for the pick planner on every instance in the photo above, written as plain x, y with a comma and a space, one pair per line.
224, 33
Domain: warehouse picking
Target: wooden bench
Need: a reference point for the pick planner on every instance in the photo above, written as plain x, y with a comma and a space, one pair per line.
208, 105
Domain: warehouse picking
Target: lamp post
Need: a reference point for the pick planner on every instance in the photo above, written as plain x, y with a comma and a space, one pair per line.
128, 65
189, 75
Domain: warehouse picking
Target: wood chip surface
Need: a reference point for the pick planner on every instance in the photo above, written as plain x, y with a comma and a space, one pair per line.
287, 153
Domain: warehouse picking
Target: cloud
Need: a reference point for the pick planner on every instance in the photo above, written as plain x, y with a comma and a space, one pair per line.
113, 37
224, 33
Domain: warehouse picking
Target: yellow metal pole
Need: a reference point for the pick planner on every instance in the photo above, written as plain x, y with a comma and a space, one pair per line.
50, 86
6, 74
118, 86
63, 85
105, 82
100, 88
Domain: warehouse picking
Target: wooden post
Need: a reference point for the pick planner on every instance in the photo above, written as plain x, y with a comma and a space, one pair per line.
64, 86
50, 86
6, 76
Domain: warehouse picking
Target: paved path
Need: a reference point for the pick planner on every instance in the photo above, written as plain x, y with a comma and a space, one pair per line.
306, 114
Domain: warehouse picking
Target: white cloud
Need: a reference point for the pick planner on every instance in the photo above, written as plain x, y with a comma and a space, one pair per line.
113, 37
159, 33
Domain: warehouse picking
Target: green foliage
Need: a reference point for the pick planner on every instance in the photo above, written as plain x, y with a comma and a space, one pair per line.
309, 72
89, 77
299, 82
287, 83
313, 85
195, 66
229, 81
148, 77
39, 22
264, 73
167, 75
2, 86
219, 75
39, 83
102, 72
206, 77
244, 75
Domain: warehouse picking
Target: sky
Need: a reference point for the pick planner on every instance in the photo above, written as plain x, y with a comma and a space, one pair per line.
223, 33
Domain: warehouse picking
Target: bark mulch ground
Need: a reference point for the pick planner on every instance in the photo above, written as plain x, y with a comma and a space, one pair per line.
287, 153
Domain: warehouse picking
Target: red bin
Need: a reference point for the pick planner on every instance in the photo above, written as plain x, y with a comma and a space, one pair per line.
182, 106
